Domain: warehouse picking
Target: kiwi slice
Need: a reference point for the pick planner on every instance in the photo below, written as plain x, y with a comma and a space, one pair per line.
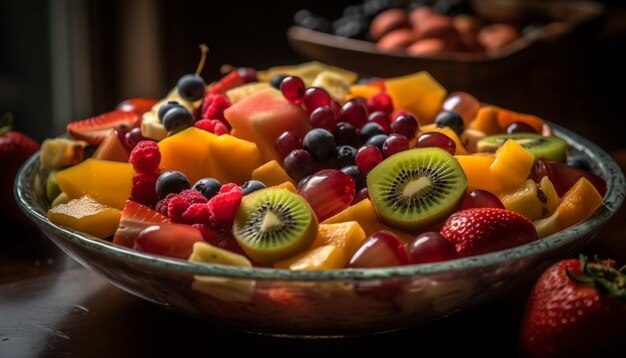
274, 224
552, 148
415, 188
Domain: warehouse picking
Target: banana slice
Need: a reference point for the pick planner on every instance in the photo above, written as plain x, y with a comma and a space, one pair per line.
151, 126
306, 71
334, 83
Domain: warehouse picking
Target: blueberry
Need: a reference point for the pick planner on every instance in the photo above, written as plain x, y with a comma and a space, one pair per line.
166, 107
277, 80
450, 119
371, 129
357, 175
209, 187
320, 143
251, 186
345, 156
346, 134
378, 140
177, 119
171, 182
578, 162
191, 87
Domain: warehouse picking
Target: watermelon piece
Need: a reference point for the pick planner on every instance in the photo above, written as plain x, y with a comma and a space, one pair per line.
135, 217
95, 129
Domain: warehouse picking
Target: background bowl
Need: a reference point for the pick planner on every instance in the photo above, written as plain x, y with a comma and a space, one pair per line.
326, 303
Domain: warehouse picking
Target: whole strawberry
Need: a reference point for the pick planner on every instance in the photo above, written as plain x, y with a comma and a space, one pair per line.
482, 230
15, 148
576, 309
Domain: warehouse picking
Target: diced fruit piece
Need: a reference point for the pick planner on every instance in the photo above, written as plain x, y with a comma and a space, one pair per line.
137, 105
364, 213
60, 199
327, 257
274, 224
223, 149
52, 187
486, 121
86, 215
111, 149
151, 126
308, 71
106, 182
363, 90
431, 247
94, 130
238, 93
271, 174
328, 191
506, 118
209, 254
475, 166
576, 205
481, 199
172, 240
416, 188
512, 165
382, 249
288, 185
552, 148
418, 93
336, 84
58, 153
134, 218
347, 236
564, 177
483, 230
531, 200
262, 117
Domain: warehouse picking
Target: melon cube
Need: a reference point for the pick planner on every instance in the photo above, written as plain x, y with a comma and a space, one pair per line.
419, 93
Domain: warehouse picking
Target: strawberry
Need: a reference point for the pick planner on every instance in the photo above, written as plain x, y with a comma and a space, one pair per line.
230, 81
135, 217
15, 148
137, 105
95, 129
482, 230
576, 309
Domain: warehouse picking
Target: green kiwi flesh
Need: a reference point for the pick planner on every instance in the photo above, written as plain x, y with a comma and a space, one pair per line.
415, 188
274, 224
552, 148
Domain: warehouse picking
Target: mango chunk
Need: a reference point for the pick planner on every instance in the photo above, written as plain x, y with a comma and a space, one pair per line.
271, 174
476, 168
512, 164
104, 181
86, 215
348, 236
486, 121
419, 93
327, 257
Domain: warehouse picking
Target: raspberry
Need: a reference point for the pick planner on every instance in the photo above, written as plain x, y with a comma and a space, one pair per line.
380, 102
197, 214
161, 205
145, 157
214, 105
143, 191
225, 204
193, 196
176, 206
214, 126
208, 233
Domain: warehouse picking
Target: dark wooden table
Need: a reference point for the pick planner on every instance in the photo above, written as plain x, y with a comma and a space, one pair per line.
50, 306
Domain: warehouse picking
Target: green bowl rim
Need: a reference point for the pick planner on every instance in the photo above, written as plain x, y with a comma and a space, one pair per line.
600, 160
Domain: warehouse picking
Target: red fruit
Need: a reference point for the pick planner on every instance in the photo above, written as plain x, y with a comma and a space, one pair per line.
15, 148
95, 129
328, 191
315, 97
287, 142
380, 102
214, 105
438, 140
576, 309
225, 204
135, 217
563, 177
355, 113
209, 233
230, 81
137, 105
482, 230
176, 207
145, 157
143, 190
198, 213
382, 249
173, 240
481, 199
431, 247
368, 157
292, 88
214, 126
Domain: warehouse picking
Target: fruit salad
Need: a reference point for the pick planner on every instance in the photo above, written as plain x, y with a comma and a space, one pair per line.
310, 167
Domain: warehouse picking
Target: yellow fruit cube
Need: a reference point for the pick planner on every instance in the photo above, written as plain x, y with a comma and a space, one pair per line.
476, 168
512, 165
419, 93
189, 152
327, 257
347, 236
271, 174
486, 121
86, 215
233, 159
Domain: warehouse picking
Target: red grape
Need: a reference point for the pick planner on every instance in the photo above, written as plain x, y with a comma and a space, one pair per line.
355, 113
406, 125
381, 249
396, 143
299, 163
436, 139
173, 240
323, 117
520, 127
287, 142
328, 191
360, 195
381, 118
292, 88
464, 104
367, 157
431, 247
481, 199
315, 97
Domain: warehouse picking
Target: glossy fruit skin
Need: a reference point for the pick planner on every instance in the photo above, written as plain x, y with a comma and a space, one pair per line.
450, 119
299, 164
430, 247
177, 119
360, 195
315, 97
276, 80
191, 87
565, 318
172, 240
378, 141
355, 113
406, 125
357, 176
483, 230
370, 129
292, 88
248, 74
563, 176
382, 119
519, 127
481, 199
165, 107
287, 142
436, 139
251, 186
137, 105
464, 104
209, 187
323, 117
345, 156
95, 129
367, 157
132, 137
328, 191
381, 249
320, 143
171, 182
345, 134
396, 143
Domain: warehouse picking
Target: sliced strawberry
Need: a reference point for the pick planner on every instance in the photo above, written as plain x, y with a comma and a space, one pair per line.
95, 129
137, 105
135, 217
482, 230
230, 81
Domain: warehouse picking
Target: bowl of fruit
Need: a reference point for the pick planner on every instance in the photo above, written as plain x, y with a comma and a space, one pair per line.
294, 201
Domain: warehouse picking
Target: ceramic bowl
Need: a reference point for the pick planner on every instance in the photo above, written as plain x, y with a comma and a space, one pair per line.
324, 303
